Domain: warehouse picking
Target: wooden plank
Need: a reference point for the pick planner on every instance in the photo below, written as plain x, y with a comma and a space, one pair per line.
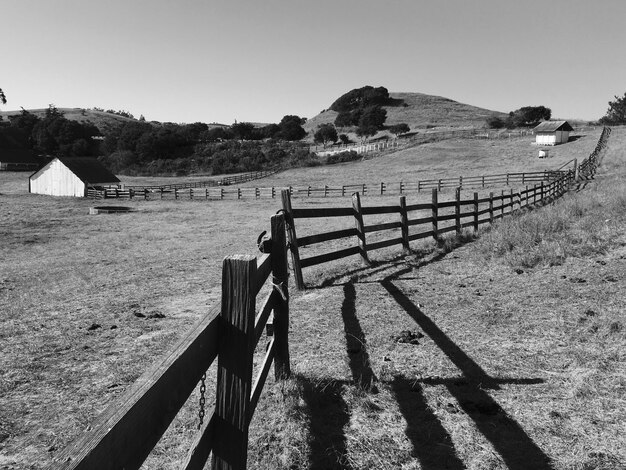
404, 224
384, 244
380, 210
264, 313
259, 382
447, 204
418, 207
201, 446
423, 220
417, 236
280, 285
451, 228
322, 212
385, 226
435, 209
293, 239
323, 237
263, 269
234, 371
445, 218
125, 433
333, 255
358, 222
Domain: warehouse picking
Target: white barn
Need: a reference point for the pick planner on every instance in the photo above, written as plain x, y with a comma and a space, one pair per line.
552, 132
71, 176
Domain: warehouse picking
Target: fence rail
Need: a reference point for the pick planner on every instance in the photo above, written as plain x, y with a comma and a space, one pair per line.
434, 219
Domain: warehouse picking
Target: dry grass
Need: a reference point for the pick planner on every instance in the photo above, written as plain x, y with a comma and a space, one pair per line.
514, 370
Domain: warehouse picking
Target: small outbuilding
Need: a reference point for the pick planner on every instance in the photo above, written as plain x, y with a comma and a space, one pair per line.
71, 176
552, 132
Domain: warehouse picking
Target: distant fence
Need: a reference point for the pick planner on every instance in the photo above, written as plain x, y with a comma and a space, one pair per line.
225, 181
127, 431
421, 136
272, 192
435, 218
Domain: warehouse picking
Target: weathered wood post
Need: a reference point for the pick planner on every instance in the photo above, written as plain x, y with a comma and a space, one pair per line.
293, 240
234, 368
457, 210
273, 192
475, 212
502, 204
542, 192
491, 208
280, 278
435, 209
576, 175
360, 227
404, 225
382, 188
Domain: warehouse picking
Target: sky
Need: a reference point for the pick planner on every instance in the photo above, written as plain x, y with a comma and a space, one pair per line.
258, 60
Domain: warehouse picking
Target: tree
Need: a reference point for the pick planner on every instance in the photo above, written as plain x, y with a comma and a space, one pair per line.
3, 98
325, 133
529, 116
616, 114
242, 130
495, 122
366, 131
398, 129
291, 128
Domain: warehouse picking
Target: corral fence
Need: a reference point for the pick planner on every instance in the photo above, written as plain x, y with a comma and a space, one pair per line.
425, 220
125, 434
130, 191
366, 189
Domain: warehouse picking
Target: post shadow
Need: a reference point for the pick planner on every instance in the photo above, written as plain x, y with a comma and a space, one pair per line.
328, 416
516, 448
358, 357
432, 445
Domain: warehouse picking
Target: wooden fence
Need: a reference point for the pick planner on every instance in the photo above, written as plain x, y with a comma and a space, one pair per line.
128, 430
434, 219
377, 189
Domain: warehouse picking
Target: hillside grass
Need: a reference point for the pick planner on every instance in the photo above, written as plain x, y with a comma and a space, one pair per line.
515, 369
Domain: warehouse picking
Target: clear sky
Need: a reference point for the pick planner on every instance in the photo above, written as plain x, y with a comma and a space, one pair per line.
258, 60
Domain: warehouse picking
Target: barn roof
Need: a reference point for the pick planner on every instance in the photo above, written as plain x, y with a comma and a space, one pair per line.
89, 170
553, 126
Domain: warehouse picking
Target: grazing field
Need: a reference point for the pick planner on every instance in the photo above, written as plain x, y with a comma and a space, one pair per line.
521, 365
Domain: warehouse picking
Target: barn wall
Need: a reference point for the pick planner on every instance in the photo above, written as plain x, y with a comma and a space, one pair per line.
545, 139
562, 137
55, 179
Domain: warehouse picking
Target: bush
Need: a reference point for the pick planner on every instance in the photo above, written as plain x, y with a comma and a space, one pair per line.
342, 157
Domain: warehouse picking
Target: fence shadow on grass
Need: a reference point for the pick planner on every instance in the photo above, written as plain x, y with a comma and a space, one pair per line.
515, 447
328, 415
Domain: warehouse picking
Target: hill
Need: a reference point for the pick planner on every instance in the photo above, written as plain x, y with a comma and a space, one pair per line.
101, 119
421, 111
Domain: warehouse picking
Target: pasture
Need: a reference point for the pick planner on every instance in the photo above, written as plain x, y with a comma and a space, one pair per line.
520, 362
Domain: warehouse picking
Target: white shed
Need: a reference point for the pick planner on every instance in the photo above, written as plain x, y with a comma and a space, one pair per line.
71, 176
552, 132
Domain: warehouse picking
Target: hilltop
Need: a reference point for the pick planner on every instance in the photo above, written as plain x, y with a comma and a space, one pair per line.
101, 119
421, 111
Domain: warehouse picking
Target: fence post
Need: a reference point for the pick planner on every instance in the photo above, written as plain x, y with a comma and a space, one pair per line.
460, 181
293, 240
273, 192
502, 204
280, 279
576, 175
238, 193
435, 215
308, 191
512, 202
404, 227
325, 190
234, 369
507, 179
491, 208
401, 188
382, 188
457, 210
542, 189
221, 193
475, 212
175, 193
343, 191
360, 228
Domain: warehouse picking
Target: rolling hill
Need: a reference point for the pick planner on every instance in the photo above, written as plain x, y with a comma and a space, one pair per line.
421, 111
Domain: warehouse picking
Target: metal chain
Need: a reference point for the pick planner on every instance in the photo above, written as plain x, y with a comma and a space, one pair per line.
202, 399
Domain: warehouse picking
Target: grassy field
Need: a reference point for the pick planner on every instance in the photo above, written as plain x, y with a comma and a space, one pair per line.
521, 365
